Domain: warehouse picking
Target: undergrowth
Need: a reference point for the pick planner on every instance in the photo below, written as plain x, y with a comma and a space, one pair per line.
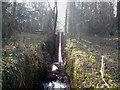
83, 67
24, 64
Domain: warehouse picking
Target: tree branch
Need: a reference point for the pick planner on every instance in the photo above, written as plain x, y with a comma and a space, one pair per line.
102, 71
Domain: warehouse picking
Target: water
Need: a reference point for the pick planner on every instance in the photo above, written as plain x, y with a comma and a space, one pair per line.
61, 82
55, 86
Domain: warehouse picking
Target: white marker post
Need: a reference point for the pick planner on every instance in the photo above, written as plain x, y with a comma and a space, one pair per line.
59, 52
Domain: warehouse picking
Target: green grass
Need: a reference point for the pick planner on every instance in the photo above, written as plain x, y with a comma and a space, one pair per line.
24, 61
102, 45
83, 66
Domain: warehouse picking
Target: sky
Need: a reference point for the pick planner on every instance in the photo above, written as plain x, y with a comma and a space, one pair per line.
61, 0
61, 13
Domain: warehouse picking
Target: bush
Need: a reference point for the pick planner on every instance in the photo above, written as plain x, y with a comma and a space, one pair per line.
23, 68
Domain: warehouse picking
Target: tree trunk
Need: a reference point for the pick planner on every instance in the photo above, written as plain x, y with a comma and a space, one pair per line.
56, 15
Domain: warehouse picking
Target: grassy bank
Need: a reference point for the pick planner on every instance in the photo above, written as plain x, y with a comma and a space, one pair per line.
84, 66
24, 62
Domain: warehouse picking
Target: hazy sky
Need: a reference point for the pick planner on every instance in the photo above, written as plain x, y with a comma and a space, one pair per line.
61, 13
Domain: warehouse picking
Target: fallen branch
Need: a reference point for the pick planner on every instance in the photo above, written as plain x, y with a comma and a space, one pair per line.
102, 71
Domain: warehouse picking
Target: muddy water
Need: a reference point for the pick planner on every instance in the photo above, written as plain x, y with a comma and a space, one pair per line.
60, 81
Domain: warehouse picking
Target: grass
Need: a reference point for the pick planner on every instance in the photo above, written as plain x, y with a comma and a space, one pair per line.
107, 47
23, 61
83, 65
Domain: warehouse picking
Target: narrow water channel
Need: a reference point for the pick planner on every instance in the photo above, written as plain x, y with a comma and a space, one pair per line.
61, 82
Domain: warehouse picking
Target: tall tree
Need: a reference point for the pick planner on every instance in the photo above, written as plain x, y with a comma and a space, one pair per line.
55, 16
